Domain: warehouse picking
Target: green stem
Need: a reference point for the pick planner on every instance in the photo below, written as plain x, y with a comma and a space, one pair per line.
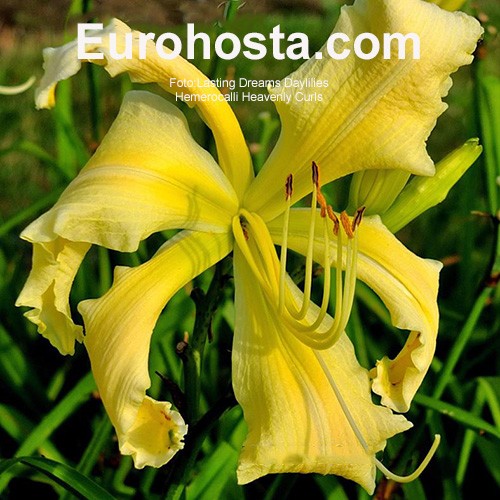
191, 351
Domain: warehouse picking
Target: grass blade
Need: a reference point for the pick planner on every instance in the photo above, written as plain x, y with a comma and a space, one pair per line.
456, 413
69, 478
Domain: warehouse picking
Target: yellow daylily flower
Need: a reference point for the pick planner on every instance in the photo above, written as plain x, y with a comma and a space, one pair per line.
449, 4
305, 397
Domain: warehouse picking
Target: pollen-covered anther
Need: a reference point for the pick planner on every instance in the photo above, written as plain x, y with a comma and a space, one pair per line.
315, 329
289, 187
334, 219
346, 224
322, 204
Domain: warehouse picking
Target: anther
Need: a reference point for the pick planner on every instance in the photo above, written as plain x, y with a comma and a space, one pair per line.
319, 195
289, 187
356, 221
346, 224
315, 332
334, 219
315, 174
243, 224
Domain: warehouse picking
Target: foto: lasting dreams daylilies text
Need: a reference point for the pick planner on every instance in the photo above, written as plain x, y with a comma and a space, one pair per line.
228, 45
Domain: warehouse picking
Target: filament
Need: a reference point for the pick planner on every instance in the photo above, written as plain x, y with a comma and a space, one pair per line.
299, 315
306, 326
284, 243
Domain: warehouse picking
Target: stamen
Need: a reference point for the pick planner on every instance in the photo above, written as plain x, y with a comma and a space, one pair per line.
334, 219
326, 284
315, 174
322, 203
300, 315
356, 221
346, 224
284, 243
411, 477
307, 331
289, 187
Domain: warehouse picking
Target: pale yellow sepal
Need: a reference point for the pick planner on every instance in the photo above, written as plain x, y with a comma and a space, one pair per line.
296, 422
176, 76
406, 284
47, 289
148, 175
374, 114
118, 329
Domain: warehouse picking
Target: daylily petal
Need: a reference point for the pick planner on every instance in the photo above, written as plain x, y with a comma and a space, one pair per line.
387, 106
171, 74
406, 284
296, 420
118, 329
47, 289
147, 175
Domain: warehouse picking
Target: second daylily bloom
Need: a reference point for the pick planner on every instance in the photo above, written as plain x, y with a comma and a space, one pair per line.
305, 397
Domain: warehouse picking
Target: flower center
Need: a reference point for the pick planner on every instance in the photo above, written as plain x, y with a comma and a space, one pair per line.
307, 322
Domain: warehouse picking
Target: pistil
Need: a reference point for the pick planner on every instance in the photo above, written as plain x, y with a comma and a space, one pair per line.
359, 436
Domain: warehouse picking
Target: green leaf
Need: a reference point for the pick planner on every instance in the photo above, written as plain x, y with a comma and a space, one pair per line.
69, 478
414, 490
489, 113
490, 452
331, 488
13, 365
7, 464
490, 388
457, 414
18, 426
66, 407
30, 212
214, 472
461, 341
